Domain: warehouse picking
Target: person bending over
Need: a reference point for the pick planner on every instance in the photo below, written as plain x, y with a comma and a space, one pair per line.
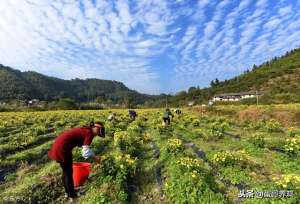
166, 117
61, 151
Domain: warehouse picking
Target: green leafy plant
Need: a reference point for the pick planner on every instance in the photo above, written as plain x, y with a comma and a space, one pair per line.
294, 132
174, 145
258, 139
292, 146
273, 126
196, 122
227, 158
224, 158
288, 181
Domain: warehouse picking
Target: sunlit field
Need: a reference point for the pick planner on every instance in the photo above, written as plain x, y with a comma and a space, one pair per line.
206, 155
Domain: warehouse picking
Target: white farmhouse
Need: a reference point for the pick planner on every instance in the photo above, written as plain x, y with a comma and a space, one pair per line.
236, 96
33, 102
191, 103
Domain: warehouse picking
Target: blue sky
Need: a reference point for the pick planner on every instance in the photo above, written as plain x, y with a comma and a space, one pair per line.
152, 46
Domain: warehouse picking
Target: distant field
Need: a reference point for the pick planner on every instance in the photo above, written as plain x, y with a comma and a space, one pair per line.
206, 155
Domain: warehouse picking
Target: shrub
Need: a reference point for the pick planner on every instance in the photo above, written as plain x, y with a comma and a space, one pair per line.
227, 158
196, 122
294, 132
126, 142
125, 162
273, 126
224, 158
292, 146
254, 125
190, 164
258, 140
134, 128
288, 181
219, 126
200, 133
174, 145
216, 134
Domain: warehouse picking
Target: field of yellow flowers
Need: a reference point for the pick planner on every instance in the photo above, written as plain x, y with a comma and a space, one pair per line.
197, 159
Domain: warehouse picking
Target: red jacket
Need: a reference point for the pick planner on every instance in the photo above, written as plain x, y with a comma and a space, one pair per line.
63, 145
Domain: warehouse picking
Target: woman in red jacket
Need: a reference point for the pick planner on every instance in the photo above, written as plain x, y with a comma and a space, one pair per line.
61, 150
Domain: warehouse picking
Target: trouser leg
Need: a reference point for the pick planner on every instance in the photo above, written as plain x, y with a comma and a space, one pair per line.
64, 183
68, 179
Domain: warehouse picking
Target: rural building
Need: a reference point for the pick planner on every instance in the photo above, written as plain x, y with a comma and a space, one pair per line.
33, 102
191, 103
236, 96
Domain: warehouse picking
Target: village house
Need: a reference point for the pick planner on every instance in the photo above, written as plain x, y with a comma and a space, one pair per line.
33, 102
236, 96
191, 103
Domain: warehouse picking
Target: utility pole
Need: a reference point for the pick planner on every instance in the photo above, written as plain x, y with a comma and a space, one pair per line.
167, 101
256, 97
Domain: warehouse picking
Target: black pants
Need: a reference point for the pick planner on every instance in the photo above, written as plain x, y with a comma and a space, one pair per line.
67, 178
167, 120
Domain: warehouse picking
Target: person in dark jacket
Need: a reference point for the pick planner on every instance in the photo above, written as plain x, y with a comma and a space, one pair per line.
166, 117
61, 151
132, 114
178, 111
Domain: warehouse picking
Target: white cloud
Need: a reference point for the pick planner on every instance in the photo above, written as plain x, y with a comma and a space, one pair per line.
60, 33
192, 42
210, 29
243, 38
272, 23
285, 10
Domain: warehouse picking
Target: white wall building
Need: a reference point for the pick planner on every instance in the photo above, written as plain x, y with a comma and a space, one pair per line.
33, 102
236, 96
191, 103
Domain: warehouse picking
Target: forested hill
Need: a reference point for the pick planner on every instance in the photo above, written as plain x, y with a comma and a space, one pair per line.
279, 78
281, 75
15, 84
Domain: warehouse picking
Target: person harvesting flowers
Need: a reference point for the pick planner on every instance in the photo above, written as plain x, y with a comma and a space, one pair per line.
112, 116
166, 117
132, 114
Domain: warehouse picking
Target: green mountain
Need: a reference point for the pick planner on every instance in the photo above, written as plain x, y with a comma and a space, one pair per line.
278, 78
15, 84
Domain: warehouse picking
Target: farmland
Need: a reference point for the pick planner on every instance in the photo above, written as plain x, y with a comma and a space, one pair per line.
202, 157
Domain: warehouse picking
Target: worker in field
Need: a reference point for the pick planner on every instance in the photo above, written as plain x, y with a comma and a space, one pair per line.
132, 114
178, 111
61, 151
111, 116
166, 117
